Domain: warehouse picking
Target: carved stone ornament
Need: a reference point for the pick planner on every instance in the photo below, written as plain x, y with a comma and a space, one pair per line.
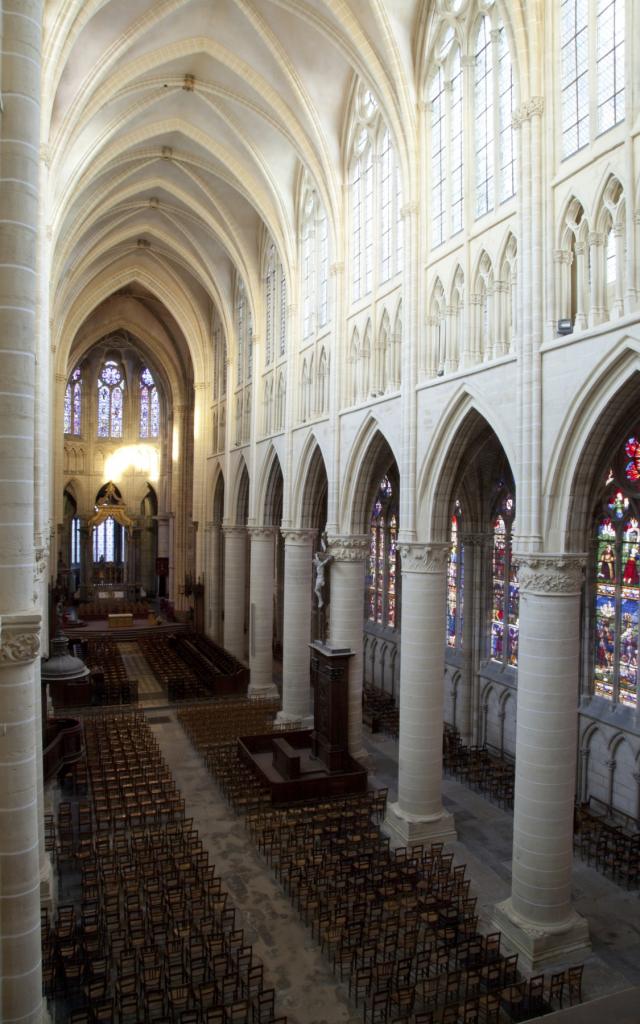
40, 563
550, 574
351, 548
234, 531
19, 638
298, 538
477, 540
261, 532
424, 557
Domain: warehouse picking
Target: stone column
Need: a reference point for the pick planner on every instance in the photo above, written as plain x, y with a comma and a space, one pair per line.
235, 567
538, 919
20, 950
596, 263
346, 621
212, 582
584, 774
261, 613
418, 814
298, 578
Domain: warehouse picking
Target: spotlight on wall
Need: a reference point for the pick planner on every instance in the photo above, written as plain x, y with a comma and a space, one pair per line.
565, 327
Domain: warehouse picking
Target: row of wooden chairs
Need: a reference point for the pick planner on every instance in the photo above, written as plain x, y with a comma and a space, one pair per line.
612, 849
153, 936
380, 711
478, 768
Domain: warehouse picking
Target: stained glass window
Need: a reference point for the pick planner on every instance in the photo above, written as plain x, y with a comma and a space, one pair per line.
75, 541
149, 405
505, 604
617, 582
73, 404
455, 582
104, 541
110, 400
383, 557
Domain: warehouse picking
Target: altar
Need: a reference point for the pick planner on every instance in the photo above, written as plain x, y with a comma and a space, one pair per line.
120, 620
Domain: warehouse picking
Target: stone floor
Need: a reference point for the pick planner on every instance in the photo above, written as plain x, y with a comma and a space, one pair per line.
307, 990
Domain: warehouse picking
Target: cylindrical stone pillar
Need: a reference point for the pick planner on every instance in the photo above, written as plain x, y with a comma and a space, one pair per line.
418, 814
261, 613
538, 918
298, 566
212, 584
346, 619
235, 567
20, 948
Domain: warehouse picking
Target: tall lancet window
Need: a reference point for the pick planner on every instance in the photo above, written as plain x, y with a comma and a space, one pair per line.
149, 405
382, 577
110, 400
73, 404
455, 581
617, 580
505, 605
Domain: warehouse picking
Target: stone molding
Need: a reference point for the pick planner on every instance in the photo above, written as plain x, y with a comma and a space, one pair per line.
550, 574
298, 538
431, 558
19, 638
349, 548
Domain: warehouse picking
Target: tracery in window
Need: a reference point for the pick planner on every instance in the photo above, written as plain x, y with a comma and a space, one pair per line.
505, 605
383, 557
584, 83
617, 581
455, 582
376, 200
149, 405
483, 94
110, 400
73, 404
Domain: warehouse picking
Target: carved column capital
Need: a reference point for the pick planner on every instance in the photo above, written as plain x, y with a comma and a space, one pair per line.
348, 548
477, 540
19, 638
261, 532
431, 558
550, 574
298, 538
232, 530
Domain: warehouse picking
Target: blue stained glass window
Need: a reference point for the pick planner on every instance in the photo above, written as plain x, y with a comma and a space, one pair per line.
149, 405
455, 582
73, 404
110, 400
505, 605
383, 557
617, 584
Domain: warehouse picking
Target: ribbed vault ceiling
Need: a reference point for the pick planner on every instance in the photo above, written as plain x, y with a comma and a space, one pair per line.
176, 129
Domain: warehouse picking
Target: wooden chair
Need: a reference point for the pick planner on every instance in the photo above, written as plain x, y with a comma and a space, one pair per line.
376, 1008
574, 983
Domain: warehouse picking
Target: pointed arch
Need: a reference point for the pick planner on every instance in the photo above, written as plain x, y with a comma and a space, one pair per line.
269, 493
309, 495
467, 413
579, 451
369, 449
